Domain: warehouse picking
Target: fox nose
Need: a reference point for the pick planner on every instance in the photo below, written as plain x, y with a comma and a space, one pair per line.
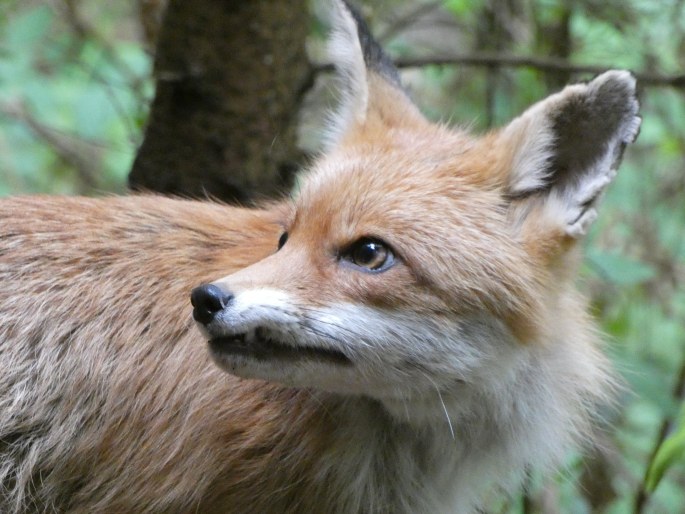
207, 301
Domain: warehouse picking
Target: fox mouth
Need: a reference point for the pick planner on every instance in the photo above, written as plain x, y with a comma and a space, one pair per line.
261, 344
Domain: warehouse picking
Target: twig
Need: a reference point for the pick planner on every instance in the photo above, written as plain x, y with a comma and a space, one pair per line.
63, 146
549, 65
527, 503
407, 19
85, 32
642, 496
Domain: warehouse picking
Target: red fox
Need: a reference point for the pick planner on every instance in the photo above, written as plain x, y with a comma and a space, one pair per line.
403, 336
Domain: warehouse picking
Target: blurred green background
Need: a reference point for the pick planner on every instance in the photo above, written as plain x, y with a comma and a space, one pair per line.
75, 85
73, 95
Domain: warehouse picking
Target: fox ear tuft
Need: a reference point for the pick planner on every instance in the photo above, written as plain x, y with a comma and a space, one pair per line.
567, 148
366, 75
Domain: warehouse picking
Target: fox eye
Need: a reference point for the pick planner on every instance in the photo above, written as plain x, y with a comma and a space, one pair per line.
282, 240
370, 255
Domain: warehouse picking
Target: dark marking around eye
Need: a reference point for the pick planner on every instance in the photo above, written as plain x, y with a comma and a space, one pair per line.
282, 240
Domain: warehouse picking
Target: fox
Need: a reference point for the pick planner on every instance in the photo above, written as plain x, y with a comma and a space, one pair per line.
401, 334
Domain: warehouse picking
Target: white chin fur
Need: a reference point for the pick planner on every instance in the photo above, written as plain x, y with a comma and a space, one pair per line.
469, 384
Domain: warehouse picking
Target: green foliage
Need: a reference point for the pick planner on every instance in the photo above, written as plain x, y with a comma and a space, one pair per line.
72, 104
463, 8
671, 452
619, 269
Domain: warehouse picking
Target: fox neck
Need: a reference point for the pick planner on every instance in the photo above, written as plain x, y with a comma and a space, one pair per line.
454, 446
418, 466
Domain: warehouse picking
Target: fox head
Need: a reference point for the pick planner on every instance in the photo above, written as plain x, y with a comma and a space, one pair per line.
418, 261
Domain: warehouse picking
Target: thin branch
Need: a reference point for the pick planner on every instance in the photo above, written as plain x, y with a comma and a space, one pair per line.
642, 496
407, 19
549, 65
85, 32
68, 149
546, 65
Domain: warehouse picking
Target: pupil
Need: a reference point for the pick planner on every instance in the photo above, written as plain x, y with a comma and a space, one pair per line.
367, 253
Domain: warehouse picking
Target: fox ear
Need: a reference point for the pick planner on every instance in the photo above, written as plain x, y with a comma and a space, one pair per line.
565, 150
369, 84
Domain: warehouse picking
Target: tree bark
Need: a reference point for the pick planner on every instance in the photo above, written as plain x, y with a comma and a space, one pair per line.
229, 75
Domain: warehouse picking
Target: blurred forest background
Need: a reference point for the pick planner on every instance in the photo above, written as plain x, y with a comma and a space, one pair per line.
233, 108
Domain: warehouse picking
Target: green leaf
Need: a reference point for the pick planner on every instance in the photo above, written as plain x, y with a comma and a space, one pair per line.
620, 269
671, 451
462, 8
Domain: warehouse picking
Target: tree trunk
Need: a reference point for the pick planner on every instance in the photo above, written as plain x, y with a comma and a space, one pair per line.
229, 75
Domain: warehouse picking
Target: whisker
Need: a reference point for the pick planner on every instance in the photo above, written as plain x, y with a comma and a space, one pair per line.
359, 337
444, 408
320, 333
442, 402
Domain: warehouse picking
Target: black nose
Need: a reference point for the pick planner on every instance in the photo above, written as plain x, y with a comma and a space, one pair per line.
207, 300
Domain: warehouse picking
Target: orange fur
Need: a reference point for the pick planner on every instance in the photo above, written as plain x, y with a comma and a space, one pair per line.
411, 387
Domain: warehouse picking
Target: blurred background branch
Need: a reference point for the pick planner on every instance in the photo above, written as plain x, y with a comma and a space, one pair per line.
547, 65
72, 150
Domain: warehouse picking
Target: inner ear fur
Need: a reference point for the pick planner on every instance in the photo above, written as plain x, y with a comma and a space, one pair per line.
559, 156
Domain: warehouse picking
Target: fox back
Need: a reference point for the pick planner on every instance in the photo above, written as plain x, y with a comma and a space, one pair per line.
404, 335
